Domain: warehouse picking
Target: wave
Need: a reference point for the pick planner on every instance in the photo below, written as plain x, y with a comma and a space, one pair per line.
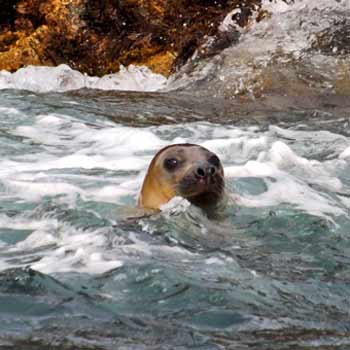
62, 78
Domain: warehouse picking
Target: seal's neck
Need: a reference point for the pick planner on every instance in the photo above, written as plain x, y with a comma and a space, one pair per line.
154, 193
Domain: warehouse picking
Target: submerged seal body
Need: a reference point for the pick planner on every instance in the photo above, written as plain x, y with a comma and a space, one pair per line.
186, 170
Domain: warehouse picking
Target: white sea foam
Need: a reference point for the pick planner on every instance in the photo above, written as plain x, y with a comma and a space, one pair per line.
76, 162
345, 154
35, 191
109, 193
63, 78
175, 205
285, 167
72, 249
115, 148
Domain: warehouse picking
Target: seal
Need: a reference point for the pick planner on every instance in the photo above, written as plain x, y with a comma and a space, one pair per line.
186, 170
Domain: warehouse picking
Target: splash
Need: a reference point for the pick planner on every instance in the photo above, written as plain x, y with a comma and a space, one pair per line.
63, 78
297, 49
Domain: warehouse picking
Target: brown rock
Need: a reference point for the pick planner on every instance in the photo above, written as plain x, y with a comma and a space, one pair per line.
96, 36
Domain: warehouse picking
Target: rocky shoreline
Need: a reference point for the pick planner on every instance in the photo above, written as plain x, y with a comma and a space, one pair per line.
96, 37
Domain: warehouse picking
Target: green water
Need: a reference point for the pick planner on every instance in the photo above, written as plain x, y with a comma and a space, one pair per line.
273, 274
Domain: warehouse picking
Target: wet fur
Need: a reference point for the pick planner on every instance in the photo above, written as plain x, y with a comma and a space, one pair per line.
161, 185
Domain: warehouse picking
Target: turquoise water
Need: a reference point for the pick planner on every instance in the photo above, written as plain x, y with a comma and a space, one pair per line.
273, 274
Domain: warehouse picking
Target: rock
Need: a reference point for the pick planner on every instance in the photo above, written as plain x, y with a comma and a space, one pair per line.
96, 36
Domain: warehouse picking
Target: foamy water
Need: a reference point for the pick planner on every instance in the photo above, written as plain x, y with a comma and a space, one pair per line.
63, 78
75, 163
71, 241
80, 268
69, 180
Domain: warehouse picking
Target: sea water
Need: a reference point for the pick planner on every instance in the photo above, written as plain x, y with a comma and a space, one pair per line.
77, 273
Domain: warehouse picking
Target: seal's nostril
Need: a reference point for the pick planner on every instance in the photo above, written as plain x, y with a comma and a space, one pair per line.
211, 170
200, 172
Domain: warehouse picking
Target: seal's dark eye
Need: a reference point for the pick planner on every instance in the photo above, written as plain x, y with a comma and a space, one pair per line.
214, 160
171, 163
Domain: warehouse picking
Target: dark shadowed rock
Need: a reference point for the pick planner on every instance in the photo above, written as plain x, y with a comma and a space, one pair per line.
96, 36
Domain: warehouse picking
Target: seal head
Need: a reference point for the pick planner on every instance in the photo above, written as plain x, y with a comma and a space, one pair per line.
187, 170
